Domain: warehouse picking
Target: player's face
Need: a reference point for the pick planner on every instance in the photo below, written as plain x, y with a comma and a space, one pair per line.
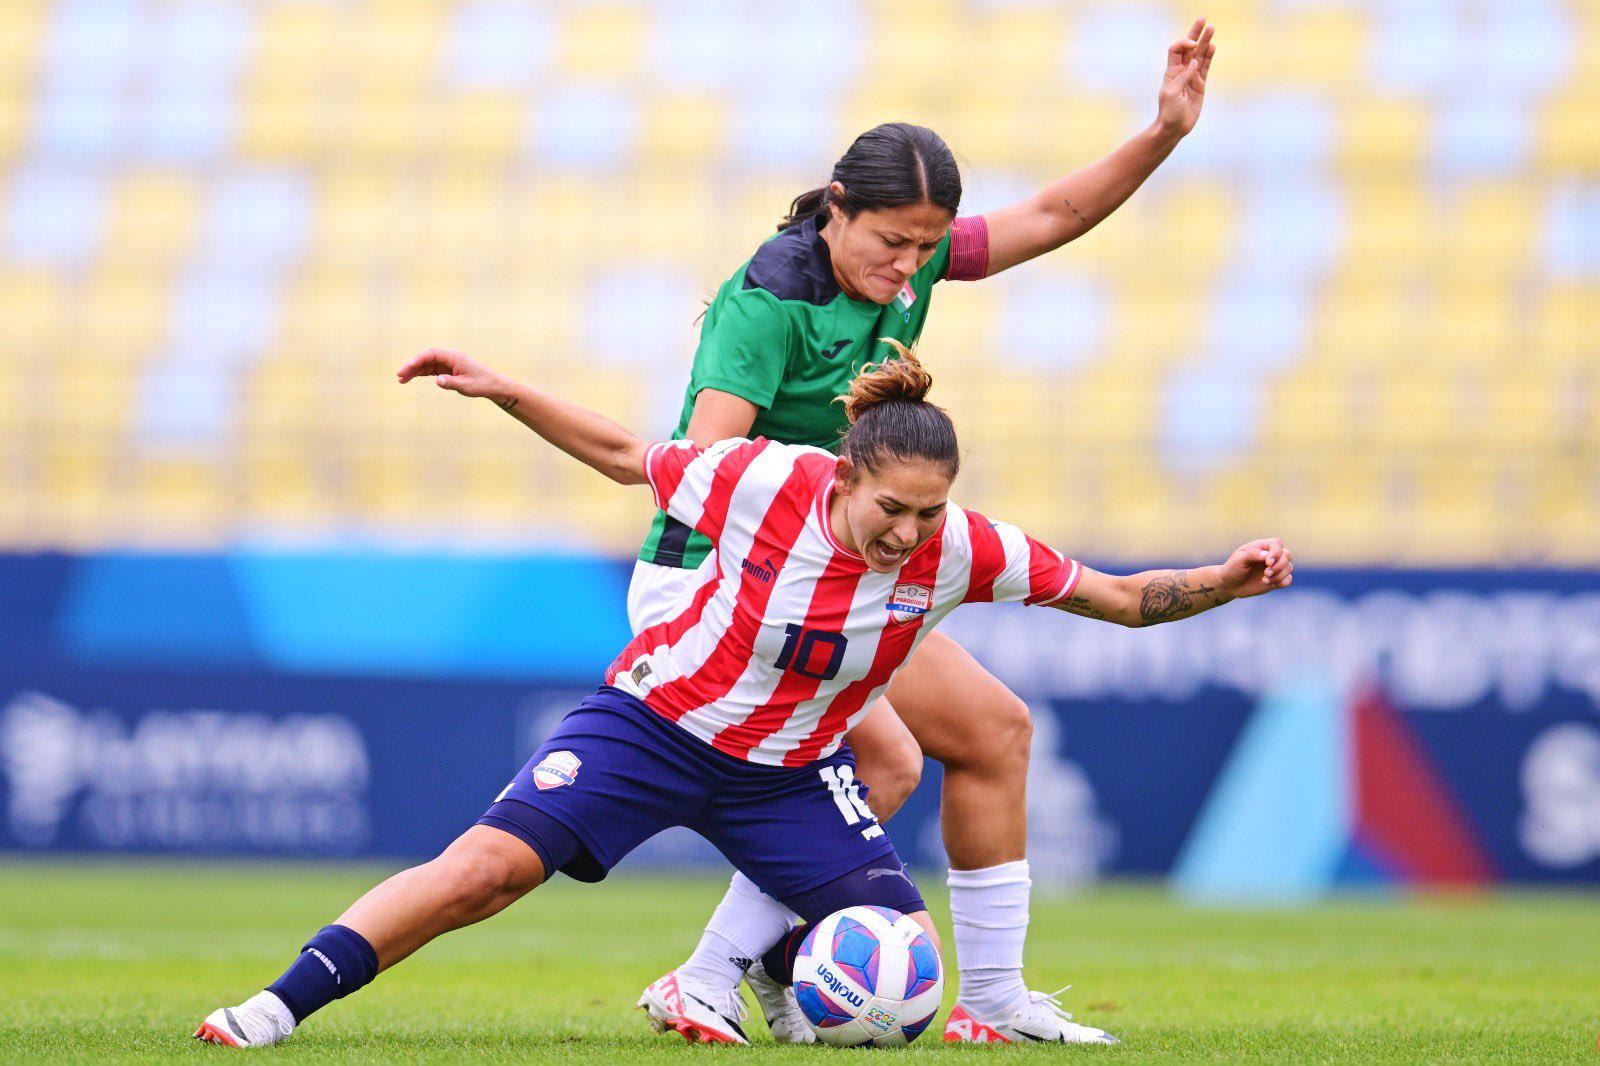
890, 513
875, 253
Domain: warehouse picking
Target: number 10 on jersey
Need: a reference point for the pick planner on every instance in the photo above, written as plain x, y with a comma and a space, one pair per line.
803, 648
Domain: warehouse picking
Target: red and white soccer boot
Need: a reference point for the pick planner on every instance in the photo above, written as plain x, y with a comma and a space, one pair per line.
257, 1022
1036, 1018
696, 1011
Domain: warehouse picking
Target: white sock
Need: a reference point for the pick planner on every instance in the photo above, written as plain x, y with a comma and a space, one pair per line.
989, 909
746, 923
273, 1006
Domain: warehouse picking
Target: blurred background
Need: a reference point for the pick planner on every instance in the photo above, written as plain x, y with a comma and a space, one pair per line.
256, 599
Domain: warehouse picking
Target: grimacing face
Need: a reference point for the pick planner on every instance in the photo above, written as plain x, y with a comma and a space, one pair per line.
876, 252
886, 515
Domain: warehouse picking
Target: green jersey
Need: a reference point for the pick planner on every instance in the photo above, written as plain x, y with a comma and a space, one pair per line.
783, 335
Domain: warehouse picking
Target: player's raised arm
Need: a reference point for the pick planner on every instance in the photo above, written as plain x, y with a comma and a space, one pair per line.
1156, 596
588, 437
1077, 203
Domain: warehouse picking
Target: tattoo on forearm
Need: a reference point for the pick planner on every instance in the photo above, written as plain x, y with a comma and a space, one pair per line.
1172, 596
507, 403
1074, 209
1080, 605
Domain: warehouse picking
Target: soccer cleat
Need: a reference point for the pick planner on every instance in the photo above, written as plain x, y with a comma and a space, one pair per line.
782, 1010
257, 1022
1038, 1018
690, 1009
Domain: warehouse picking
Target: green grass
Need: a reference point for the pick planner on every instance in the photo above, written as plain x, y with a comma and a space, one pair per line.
121, 961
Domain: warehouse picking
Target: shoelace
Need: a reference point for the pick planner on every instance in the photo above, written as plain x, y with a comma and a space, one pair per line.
736, 1005
1050, 1001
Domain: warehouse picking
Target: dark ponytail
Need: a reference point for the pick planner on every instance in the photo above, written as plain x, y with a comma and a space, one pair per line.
891, 418
888, 166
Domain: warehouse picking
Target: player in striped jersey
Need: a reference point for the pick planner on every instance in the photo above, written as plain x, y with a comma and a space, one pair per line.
856, 261
729, 716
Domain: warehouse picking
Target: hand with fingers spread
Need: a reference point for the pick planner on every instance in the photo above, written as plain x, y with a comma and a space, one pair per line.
1183, 88
1256, 568
458, 373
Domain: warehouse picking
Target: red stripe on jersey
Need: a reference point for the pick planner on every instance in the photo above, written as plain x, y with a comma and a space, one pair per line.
664, 465
1048, 573
988, 558
670, 631
831, 597
780, 528
723, 482
894, 645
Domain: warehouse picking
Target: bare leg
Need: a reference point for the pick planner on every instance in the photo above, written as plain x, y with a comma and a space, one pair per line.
888, 759
963, 716
481, 873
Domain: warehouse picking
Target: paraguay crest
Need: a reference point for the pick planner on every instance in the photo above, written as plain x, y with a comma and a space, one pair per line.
909, 601
556, 769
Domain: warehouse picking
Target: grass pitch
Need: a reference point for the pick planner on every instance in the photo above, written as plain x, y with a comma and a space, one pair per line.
120, 961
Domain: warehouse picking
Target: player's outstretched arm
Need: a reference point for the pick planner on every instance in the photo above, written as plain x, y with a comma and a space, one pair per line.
1083, 199
586, 436
1156, 596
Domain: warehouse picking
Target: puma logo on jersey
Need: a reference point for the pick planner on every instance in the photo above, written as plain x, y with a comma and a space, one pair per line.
763, 571
838, 346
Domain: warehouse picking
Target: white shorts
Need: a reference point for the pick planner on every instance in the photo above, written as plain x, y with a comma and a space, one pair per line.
656, 591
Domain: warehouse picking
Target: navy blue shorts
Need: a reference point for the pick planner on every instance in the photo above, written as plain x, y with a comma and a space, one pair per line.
615, 773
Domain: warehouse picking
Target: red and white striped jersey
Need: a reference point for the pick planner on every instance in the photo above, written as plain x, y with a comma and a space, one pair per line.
791, 637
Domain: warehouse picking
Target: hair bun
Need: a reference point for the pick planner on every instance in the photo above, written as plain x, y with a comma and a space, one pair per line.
899, 377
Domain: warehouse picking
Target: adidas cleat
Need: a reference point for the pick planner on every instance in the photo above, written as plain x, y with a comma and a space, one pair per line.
1036, 1019
691, 1010
784, 1018
259, 1021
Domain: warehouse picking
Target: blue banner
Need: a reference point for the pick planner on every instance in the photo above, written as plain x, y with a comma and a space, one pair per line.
1419, 727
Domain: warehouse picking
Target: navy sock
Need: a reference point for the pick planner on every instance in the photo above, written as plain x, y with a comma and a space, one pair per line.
333, 964
779, 959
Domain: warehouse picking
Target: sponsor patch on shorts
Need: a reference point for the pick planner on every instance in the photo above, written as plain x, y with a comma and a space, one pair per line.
556, 769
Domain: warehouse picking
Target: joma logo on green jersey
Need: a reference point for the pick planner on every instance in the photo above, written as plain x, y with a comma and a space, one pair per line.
838, 346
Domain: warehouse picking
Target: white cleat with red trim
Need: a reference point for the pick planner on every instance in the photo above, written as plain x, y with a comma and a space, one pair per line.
1038, 1018
257, 1022
696, 1011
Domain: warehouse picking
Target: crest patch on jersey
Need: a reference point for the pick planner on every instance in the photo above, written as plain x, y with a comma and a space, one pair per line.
906, 297
556, 769
909, 601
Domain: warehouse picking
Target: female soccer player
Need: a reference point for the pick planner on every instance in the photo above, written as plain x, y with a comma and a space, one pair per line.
857, 261
729, 717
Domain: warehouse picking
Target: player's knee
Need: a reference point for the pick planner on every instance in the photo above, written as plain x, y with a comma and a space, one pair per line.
480, 878
892, 776
1005, 740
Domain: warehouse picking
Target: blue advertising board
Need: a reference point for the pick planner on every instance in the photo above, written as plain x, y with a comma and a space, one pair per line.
1410, 726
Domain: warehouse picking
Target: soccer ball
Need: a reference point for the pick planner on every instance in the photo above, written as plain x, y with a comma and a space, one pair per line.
868, 975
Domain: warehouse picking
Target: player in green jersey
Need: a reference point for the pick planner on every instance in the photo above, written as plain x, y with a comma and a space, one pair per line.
855, 262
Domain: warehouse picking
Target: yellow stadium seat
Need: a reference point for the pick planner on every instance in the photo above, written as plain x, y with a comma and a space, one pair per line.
1487, 233
603, 40
180, 502
1383, 139
489, 128
153, 219
1569, 132
396, 46
1320, 46
35, 308
1565, 322
682, 130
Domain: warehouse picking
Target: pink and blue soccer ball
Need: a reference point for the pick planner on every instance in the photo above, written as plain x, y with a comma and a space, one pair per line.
868, 976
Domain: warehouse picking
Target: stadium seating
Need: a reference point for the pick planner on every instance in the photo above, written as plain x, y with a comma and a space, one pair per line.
1358, 308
